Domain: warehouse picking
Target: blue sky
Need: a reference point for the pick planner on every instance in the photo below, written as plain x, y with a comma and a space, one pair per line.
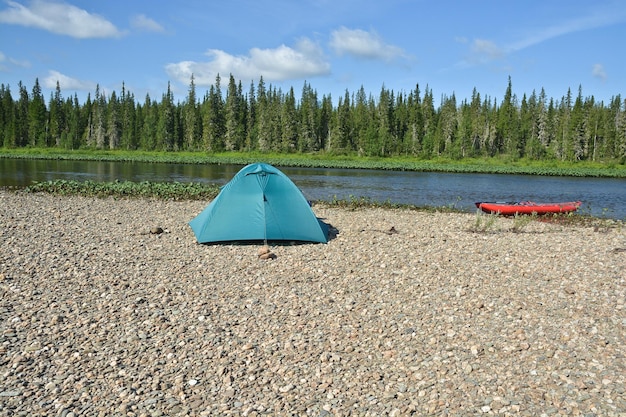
335, 45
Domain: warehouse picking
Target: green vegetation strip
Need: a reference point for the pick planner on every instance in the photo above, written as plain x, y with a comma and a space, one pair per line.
189, 191
170, 191
324, 160
196, 191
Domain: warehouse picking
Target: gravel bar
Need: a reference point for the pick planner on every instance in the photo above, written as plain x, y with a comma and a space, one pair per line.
401, 313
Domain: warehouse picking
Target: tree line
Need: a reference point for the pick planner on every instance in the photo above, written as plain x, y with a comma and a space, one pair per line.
266, 119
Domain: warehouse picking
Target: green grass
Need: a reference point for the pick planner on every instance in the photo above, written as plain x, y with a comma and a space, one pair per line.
169, 191
325, 160
355, 203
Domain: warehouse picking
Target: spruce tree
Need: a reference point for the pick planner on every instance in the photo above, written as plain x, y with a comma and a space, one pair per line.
414, 135
57, 117
128, 125
324, 124
234, 133
191, 119
251, 121
308, 129
8, 119
263, 117
165, 133
289, 123
37, 118
113, 122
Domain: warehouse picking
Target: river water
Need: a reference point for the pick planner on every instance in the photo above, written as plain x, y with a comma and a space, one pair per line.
601, 197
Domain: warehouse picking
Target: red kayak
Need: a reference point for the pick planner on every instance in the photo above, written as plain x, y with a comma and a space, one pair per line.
527, 207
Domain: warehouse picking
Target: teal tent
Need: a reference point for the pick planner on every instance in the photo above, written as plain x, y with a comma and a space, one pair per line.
259, 203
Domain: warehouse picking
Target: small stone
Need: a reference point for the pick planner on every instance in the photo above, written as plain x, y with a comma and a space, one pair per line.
467, 368
286, 388
268, 255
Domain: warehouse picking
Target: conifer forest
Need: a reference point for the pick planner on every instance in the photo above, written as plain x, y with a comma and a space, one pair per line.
267, 119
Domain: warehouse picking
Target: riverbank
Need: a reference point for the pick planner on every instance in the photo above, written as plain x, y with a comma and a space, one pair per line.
447, 316
494, 165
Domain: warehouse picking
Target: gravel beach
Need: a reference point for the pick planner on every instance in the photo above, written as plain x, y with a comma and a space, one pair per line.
401, 313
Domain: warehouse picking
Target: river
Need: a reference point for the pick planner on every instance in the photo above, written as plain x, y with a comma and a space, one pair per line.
601, 197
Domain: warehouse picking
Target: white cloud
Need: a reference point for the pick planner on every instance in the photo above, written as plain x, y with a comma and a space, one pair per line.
59, 18
363, 44
143, 22
481, 51
486, 48
304, 60
595, 19
598, 72
67, 83
7, 62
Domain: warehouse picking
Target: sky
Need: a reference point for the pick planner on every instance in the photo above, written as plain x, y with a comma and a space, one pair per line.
450, 47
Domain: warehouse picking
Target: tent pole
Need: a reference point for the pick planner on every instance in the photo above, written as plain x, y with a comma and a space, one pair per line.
264, 221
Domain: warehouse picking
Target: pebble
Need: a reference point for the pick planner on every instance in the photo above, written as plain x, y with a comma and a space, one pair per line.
98, 316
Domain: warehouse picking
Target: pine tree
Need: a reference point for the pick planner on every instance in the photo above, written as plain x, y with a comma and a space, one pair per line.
8, 119
191, 119
414, 136
128, 126
533, 126
98, 131
446, 127
620, 137
324, 125
430, 123
87, 117
234, 117
275, 103
251, 121
384, 111
525, 126
308, 113
57, 117
361, 119
263, 117
343, 131
113, 122
400, 123
213, 125
478, 122
37, 118
289, 123
562, 141
165, 134
149, 117
507, 129
576, 144
464, 143
71, 137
